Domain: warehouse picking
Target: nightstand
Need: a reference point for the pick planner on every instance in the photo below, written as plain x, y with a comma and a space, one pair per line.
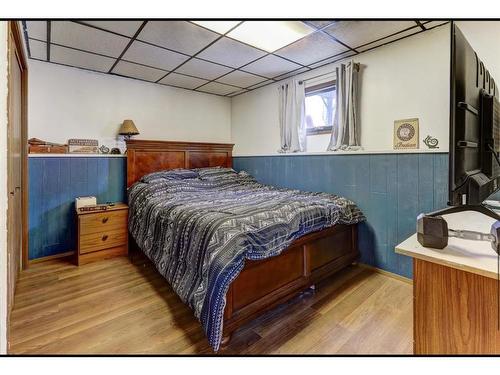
102, 234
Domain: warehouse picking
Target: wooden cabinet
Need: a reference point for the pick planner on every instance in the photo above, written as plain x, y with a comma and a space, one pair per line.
456, 304
455, 312
102, 234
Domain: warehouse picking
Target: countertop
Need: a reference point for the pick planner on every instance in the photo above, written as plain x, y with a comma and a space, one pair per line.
472, 256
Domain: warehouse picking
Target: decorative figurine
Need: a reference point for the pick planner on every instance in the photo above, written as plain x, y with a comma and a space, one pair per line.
431, 142
104, 150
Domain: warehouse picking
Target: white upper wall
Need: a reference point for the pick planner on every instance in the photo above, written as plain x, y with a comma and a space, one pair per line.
405, 79
68, 103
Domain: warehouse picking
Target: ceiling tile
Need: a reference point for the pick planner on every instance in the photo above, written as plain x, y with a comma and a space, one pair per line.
156, 57
182, 81
260, 84
127, 28
311, 49
390, 39
218, 88
180, 36
74, 35
333, 59
80, 59
238, 93
320, 24
357, 33
37, 29
203, 69
241, 79
220, 27
127, 69
38, 50
431, 24
291, 74
270, 66
231, 52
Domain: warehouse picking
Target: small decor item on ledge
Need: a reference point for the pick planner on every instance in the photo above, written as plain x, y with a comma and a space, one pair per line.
128, 129
115, 151
431, 142
83, 146
104, 150
406, 134
38, 146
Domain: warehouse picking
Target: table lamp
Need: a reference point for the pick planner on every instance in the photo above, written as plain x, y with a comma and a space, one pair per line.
128, 129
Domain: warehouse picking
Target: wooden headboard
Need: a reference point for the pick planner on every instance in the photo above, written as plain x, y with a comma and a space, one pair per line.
144, 157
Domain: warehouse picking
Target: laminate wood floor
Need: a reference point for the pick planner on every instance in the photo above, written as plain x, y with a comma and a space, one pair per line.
125, 307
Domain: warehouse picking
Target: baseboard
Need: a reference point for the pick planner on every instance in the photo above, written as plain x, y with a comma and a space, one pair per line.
387, 273
52, 257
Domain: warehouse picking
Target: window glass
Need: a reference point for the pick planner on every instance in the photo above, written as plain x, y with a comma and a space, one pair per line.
320, 108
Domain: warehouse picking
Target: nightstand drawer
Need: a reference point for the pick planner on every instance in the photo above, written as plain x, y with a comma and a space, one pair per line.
103, 222
102, 240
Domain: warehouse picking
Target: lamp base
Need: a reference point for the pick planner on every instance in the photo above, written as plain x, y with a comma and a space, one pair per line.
127, 137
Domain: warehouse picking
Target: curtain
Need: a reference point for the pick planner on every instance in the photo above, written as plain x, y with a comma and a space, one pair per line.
291, 116
345, 132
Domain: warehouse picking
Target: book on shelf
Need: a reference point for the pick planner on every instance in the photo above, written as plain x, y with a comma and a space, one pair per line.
83, 146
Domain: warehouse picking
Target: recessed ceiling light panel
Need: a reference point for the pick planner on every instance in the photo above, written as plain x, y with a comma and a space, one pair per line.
270, 35
220, 27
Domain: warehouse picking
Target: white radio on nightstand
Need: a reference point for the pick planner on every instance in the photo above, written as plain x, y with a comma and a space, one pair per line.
85, 201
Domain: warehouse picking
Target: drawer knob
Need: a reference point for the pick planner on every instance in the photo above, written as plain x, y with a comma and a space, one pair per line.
105, 220
105, 237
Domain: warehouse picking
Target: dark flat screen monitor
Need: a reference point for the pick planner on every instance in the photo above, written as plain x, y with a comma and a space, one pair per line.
474, 173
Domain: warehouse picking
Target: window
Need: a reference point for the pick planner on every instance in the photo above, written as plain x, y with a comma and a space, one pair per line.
320, 108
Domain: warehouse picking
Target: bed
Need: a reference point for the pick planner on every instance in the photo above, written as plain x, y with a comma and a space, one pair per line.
230, 247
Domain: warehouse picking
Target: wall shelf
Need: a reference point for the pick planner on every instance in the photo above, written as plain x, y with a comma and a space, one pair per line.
341, 152
77, 156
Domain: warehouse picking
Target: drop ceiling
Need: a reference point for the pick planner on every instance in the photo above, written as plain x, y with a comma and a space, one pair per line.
225, 58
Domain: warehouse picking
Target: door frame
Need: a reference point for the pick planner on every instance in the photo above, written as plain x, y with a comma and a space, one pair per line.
14, 35
14, 29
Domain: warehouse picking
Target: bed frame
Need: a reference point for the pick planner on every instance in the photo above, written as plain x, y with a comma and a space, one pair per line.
261, 284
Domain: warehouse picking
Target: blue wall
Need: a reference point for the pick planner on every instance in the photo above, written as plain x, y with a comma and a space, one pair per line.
54, 183
391, 190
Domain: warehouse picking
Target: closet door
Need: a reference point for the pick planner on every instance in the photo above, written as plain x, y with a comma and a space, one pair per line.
16, 156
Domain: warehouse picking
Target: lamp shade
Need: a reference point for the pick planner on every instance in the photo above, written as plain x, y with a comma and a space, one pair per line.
128, 128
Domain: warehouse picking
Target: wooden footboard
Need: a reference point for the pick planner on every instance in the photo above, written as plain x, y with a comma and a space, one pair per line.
266, 283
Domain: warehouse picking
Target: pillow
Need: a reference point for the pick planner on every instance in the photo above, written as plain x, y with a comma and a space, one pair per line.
246, 177
244, 174
212, 173
172, 174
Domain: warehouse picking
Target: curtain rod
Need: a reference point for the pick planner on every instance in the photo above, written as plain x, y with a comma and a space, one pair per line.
356, 65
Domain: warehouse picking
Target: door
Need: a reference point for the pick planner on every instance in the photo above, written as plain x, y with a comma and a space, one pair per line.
16, 160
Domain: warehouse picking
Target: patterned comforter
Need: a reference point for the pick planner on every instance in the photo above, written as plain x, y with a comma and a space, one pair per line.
199, 226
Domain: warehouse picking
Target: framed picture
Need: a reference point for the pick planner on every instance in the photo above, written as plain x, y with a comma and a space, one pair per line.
406, 134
